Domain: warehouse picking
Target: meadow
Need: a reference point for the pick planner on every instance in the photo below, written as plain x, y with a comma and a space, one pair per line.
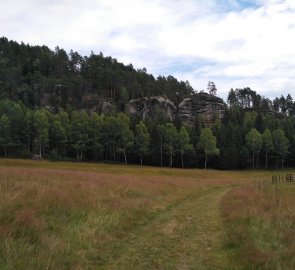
62, 215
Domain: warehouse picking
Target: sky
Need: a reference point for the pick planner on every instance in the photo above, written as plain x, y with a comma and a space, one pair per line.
234, 43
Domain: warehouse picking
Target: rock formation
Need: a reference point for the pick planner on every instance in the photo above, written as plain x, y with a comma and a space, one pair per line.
203, 104
200, 104
147, 107
60, 97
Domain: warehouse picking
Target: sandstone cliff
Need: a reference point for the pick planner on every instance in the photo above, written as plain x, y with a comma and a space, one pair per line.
146, 107
200, 104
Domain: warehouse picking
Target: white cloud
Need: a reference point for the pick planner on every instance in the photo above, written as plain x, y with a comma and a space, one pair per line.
224, 41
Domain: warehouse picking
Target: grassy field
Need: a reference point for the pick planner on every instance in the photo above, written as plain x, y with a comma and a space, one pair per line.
59, 215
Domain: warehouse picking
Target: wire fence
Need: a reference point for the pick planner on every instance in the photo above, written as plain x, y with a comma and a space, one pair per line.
274, 184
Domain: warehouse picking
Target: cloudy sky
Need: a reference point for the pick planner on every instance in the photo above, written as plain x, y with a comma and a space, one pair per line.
235, 43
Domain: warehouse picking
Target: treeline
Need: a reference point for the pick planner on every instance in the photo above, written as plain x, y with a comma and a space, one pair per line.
28, 72
246, 98
81, 136
260, 127
254, 132
243, 138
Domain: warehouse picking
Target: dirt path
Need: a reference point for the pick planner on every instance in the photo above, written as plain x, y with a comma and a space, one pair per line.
187, 235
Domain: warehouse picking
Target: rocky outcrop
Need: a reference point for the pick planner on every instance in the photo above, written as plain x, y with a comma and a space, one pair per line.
59, 97
200, 104
203, 104
149, 107
106, 108
185, 110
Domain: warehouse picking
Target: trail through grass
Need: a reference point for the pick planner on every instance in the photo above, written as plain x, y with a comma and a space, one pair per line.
187, 235
62, 215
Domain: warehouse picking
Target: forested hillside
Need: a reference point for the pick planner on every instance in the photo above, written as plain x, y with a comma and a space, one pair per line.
253, 132
32, 73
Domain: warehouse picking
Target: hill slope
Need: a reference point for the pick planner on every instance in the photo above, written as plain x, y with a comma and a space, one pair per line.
39, 76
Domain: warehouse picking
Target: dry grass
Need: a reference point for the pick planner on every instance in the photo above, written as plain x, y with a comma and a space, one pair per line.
68, 215
59, 215
261, 233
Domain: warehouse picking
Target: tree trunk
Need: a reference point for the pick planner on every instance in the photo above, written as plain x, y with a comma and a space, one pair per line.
266, 159
40, 150
277, 162
257, 160
161, 152
141, 161
206, 157
253, 157
28, 144
114, 154
171, 158
111, 153
125, 156
182, 159
5, 150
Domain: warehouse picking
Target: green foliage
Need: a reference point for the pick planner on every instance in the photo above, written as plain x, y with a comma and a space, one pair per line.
4, 133
58, 135
27, 72
267, 144
142, 140
211, 88
95, 135
33, 76
184, 145
249, 120
232, 98
160, 132
207, 143
79, 133
125, 135
29, 129
90, 136
41, 130
281, 145
170, 141
110, 137
254, 142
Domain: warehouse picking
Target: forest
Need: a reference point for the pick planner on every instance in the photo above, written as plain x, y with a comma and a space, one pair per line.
255, 132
